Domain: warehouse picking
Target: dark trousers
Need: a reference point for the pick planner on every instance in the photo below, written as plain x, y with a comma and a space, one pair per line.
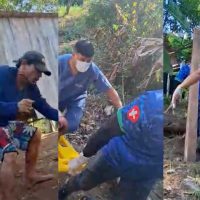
100, 171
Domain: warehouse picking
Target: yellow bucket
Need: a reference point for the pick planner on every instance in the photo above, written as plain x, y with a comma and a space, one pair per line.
66, 152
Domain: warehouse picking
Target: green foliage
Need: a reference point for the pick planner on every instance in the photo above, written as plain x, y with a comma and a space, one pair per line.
62, 11
176, 12
67, 49
167, 65
72, 33
182, 47
167, 101
114, 27
191, 9
181, 15
141, 18
196, 195
101, 14
43, 125
71, 2
195, 169
149, 18
65, 6
29, 5
76, 11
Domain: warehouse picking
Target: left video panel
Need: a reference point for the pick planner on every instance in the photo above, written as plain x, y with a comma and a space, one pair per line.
28, 105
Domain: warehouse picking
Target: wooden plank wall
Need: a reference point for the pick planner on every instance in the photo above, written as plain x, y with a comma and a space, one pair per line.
40, 32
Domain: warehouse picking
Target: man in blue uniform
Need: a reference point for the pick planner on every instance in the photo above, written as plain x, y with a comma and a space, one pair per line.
76, 73
129, 146
183, 73
19, 95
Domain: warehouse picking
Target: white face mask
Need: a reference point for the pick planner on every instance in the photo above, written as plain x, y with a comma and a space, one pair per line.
82, 66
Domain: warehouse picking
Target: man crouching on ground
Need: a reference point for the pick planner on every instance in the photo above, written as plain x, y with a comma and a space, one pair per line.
19, 94
129, 145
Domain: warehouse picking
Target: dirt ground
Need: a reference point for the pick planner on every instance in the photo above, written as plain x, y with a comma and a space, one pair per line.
106, 191
102, 192
176, 170
47, 163
93, 118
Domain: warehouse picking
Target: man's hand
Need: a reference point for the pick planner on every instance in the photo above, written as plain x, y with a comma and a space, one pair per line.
62, 125
24, 116
176, 96
25, 106
75, 165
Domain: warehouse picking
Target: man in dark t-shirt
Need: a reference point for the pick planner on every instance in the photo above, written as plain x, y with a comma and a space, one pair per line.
19, 95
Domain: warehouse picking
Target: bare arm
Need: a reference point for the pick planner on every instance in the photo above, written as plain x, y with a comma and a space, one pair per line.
191, 79
114, 98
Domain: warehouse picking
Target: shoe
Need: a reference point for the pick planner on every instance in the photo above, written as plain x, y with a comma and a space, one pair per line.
62, 193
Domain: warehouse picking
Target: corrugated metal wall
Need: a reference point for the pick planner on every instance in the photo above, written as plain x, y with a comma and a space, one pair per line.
24, 32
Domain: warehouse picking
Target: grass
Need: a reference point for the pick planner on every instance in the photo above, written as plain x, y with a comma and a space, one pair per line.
167, 101
74, 12
196, 195
195, 172
72, 25
195, 169
61, 11
43, 125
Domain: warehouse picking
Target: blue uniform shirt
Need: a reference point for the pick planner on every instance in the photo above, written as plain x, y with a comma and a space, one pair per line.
10, 96
141, 121
73, 89
183, 73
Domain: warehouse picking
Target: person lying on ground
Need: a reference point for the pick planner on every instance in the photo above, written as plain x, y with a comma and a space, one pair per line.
19, 95
129, 146
77, 73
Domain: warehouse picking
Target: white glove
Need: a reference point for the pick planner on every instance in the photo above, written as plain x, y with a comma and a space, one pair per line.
60, 114
176, 96
75, 165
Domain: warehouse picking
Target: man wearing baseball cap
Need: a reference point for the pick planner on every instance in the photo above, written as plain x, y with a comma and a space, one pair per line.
19, 95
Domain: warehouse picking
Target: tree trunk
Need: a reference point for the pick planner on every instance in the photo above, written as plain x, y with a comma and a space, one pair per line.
191, 126
69, 3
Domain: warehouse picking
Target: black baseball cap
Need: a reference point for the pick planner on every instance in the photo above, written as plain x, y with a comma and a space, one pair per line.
35, 58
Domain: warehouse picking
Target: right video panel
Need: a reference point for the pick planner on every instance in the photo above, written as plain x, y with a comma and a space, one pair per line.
181, 99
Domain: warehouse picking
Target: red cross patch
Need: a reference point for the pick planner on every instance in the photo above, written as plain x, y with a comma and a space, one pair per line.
134, 114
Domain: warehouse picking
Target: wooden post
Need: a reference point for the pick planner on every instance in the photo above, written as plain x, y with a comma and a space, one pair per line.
168, 84
191, 125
